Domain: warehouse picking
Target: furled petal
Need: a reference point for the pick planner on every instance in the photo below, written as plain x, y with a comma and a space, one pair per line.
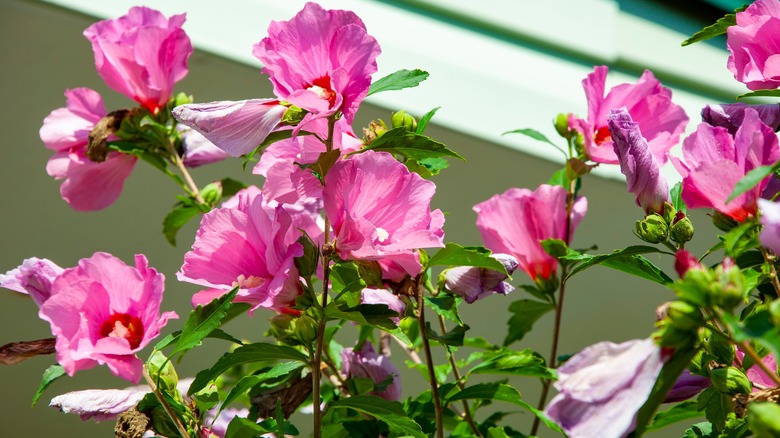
100, 404
730, 116
473, 283
687, 386
34, 277
198, 151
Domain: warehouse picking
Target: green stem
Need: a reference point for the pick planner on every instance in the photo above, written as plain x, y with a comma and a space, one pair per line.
458, 378
429, 361
168, 410
179, 163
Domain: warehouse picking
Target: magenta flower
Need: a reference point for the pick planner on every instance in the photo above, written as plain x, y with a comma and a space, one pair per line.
770, 219
714, 161
235, 127
756, 375
321, 60
753, 43
251, 244
379, 209
602, 387
384, 296
367, 364
730, 116
103, 312
648, 103
643, 174
87, 185
685, 261
473, 283
141, 54
516, 221
687, 386
34, 277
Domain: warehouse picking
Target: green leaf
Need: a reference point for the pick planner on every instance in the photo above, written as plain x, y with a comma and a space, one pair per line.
410, 145
446, 306
764, 419
260, 352
453, 338
398, 81
374, 315
713, 30
307, 263
231, 186
424, 120
524, 314
248, 382
244, 428
518, 363
760, 93
345, 278
679, 412
177, 218
757, 327
456, 255
202, 321
627, 260
676, 195
390, 412
752, 179
536, 135
51, 374
716, 406
741, 239
700, 430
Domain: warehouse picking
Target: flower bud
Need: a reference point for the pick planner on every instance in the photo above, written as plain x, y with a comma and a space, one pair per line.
402, 119
720, 348
671, 337
723, 222
730, 287
685, 261
212, 192
682, 228
293, 115
375, 129
304, 329
163, 373
561, 123
670, 213
684, 316
653, 229
730, 380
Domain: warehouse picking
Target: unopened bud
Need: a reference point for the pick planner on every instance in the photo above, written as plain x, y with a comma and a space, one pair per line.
730, 380
682, 229
375, 129
293, 115
562, 125
685, 261
723, 222
720, 348
305, 329
684, 316
652, 229
729, 290
402, 119
670, 213
671, 337
212, 193
162, 372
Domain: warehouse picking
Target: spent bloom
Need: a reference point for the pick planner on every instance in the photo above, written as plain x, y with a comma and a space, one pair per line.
381, 210
753, 44
516, 221
367, 364
770, 219
100, 404
601, 388
251, 244
103, 312
87, 185
33, 277
714, 161
141, 54
474, 283
320, 60
643, 174
730, 115
648, 103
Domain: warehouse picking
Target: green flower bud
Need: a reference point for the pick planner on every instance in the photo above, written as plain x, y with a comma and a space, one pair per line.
652, 229
671, 337
162, 372
720, 348
695, 287
305, 329
684, 316
670, 213
729, 291
282, 328
764, 419
402, 119
682, 230
562, 125
723, 222
730, 380
547, 286
293, 115
375, 129
212, 192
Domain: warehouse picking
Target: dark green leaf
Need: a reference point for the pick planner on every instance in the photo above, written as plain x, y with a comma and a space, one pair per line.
679, 412
259, 352
676, 195
740, 239
248, 382
390, 412
307, 263
424, 120
760, 93
700, 430
345, 279
627, 260
536, 135
398, 81
410, 145
244, 428
519, 363
177, 218
757, 327
221, 334
51, 374
455, 255
325, 161
446, 306
524, 314
716, 406
230, 187
374, 315
452, 338
202, 321
752, 179
713, 30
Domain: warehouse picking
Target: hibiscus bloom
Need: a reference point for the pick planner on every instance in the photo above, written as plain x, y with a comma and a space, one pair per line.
753, 44
365, 363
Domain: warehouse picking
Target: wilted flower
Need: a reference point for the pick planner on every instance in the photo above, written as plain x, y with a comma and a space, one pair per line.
367, 364
87, 185
516, 221
103, 312
643, 174
34, 277
602, 387
714, 161
100, 404
474, 283
730, 116
251, 244
648, 103
379, 209
753, 44
141, 54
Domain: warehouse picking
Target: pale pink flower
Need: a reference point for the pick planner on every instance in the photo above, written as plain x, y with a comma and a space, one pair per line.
198, 150
367, 364
770, 219
648, 103
714, 161
643, 174
321, 60
103, 312
141, 54
251, 244
87, 185
384, 296
34, 277
474, 283
753, 43
601, 388
100, 404
379, 209
516, 221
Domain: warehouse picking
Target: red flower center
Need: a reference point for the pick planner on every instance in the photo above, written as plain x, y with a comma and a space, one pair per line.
321, 86
122, 325
601, 135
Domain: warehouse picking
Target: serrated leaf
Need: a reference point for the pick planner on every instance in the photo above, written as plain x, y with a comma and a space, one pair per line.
456, 255
713, 30
410, 145
202, 321
679, 412
390, 412
538, 136
398, 81
51, 374
446, 306
752, 178
177, 218
260, 352
524, 314
716, 406
248, 382
518, 363
424, 120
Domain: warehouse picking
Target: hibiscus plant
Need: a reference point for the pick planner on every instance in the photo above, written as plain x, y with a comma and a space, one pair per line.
340, 242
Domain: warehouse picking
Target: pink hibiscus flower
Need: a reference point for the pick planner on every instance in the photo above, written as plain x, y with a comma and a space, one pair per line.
753, 43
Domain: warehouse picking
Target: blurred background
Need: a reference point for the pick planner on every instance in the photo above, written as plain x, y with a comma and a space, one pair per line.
495, 66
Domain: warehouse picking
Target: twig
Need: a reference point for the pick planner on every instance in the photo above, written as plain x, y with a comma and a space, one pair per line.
429, 360
179, 163
458, 379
